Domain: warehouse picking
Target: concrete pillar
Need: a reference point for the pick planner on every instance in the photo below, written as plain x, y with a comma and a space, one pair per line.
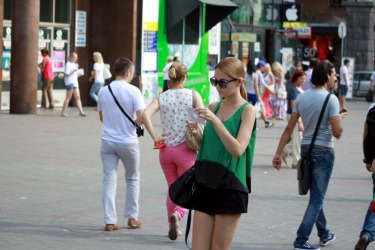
24, 57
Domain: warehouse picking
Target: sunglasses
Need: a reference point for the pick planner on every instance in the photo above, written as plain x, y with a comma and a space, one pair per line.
222, 82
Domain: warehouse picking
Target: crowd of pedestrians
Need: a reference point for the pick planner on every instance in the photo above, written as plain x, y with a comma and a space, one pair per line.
223, 163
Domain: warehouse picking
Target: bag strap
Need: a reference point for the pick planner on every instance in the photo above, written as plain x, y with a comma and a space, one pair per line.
118, 104
318, 125
188, 228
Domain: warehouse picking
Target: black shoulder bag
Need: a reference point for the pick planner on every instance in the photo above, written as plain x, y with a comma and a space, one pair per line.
139, 129
304, 165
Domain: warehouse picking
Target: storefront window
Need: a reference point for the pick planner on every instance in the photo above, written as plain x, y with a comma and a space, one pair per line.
46, 10
62, 11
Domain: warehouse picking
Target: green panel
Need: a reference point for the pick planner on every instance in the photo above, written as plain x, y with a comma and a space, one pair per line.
198, 74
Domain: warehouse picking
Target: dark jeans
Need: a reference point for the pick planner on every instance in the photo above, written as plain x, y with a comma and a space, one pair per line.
323, 159
369, 224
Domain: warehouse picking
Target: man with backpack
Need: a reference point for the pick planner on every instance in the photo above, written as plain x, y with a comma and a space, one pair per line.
368, 230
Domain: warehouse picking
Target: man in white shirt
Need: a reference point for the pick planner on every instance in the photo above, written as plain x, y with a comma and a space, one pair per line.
120, 142
166, 70
344, 84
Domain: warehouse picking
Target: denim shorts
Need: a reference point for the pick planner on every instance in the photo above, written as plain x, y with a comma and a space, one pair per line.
70, 87
220, 201
343, 90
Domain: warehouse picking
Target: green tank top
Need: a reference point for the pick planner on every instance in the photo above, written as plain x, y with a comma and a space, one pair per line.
215, 167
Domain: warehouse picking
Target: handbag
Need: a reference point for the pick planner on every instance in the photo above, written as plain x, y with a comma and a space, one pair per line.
107, 74
281, 94
370, 95
193, 138
139, 129
304, 165
181, 191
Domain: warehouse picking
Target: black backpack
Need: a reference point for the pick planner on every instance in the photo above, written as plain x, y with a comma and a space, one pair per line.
369, 140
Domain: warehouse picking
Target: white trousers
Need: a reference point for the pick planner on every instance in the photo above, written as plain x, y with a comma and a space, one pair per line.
111, 153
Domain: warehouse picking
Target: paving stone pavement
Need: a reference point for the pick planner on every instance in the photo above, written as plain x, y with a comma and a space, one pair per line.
50, 189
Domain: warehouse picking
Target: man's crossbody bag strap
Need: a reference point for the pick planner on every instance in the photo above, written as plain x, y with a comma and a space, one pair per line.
317, 126
118, 105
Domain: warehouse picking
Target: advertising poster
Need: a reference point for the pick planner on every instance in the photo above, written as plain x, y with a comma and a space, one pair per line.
6, 65
58, 58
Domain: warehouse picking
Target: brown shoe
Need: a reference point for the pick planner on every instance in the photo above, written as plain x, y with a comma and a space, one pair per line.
111, 227
134, 223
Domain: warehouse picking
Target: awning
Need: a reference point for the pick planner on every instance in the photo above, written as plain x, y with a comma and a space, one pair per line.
216, 10
178, 9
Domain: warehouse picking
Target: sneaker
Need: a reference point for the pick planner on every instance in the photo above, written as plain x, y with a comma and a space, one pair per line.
173, 227
269, 124
306, 246
134, 223
324, 242
362, 243
111, 227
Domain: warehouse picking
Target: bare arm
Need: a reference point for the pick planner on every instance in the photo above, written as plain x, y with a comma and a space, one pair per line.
198, 103
336, 124
146, 117
101, 116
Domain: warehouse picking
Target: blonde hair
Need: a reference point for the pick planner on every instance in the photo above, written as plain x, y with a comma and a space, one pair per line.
98, 57
277, 68
235, 69
269, 70
177, 72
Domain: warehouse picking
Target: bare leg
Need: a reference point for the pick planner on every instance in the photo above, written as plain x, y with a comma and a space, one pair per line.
77, 98
69, 94
203, 227
225, 227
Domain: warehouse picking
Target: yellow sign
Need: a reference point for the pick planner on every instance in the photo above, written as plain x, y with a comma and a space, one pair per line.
294, 24
150, 26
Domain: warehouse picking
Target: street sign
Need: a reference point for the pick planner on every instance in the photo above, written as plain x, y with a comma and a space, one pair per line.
342, 30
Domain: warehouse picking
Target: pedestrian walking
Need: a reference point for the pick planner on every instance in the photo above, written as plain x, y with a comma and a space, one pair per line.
293, 148
278, 98
47, 78
344, 84
71, 84
97, 75
165, 71
322, 155
367, 234
261, 67
120, 142
175, 157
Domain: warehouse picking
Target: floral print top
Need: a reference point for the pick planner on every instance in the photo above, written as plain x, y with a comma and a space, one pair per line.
174, 105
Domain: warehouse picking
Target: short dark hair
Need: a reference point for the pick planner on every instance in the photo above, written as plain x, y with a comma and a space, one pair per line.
346, 61
122, 65
320, 73
44, 51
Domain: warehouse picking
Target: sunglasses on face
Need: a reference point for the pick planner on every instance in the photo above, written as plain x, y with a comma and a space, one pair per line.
222, 82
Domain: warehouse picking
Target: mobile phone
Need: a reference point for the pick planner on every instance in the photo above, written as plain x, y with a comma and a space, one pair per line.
343, 111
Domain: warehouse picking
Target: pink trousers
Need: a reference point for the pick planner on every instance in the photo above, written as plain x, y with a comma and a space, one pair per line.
174, 161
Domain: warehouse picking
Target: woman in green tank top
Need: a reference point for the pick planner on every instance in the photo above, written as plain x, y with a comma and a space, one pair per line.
224, 161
